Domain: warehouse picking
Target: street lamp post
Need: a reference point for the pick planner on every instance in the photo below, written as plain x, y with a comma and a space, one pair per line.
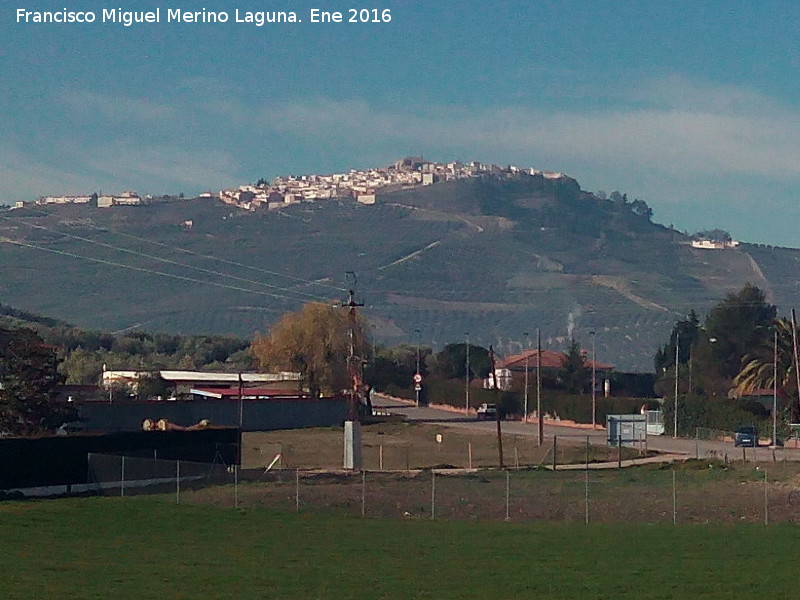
416, 382
675, 412
594, 384
466, 386
539, 416
527, 356
775, 390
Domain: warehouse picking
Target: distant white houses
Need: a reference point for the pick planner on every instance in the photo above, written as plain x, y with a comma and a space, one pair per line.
364, 186
103, 201
123, 199
714, 244
184, 380
64, 200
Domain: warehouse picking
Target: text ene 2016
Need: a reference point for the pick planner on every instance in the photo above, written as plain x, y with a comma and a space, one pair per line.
353, 15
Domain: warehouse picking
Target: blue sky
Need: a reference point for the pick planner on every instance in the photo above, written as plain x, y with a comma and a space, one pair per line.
691, 106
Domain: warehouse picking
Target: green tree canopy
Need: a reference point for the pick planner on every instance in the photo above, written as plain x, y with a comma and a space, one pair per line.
573, 373
28, 375
451, 362
738, 325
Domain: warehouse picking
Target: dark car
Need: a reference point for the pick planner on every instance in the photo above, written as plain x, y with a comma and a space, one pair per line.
487, 411
746, 437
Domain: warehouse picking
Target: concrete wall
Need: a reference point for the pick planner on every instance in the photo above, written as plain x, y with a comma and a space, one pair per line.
258, 415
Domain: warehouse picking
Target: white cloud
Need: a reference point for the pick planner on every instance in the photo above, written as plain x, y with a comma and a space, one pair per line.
25, 178
163, 164
678, 128
117, 107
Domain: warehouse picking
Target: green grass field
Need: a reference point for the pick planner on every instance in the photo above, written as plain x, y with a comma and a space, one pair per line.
139, 548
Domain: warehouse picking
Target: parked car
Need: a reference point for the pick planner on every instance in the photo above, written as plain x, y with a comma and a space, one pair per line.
487, 411
746, 437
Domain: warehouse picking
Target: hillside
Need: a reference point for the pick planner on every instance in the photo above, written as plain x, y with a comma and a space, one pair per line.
495, 257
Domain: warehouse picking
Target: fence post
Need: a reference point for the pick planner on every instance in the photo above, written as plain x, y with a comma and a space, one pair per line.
619, 449
508, 495
363, 493
122, 478
177, 482
235, 486
555, 452
697, 443
433, 495
766, 501
297, 490
516, 453
407, 459
380, 457
469, 453
674, 499
586, 483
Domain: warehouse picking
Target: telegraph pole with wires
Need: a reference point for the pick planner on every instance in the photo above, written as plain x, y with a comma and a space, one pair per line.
352, 426
497, 408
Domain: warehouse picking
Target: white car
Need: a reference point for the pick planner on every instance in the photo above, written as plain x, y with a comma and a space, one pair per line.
487, 411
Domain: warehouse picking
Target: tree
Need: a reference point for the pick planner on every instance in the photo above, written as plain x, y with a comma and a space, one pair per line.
28, 375
573, 373
314, 341
738, 325
685, 333
451, 362
396, 366
759, 368
715, 235
641, 209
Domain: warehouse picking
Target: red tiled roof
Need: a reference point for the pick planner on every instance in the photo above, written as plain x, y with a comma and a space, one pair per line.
551, 359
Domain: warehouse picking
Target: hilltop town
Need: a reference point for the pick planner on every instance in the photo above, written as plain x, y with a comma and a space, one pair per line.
362, 186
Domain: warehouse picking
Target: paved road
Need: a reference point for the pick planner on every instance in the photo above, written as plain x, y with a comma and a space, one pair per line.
660, 443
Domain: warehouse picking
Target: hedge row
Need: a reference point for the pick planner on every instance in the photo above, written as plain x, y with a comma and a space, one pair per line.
569, 407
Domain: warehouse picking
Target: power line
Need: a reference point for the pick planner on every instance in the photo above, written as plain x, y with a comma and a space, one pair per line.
150, 271
222, 260
169, 261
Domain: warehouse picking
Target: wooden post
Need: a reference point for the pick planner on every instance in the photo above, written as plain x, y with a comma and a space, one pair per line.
497, 407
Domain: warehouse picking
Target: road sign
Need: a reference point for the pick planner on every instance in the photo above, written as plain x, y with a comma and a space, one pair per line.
417, 388
417, 378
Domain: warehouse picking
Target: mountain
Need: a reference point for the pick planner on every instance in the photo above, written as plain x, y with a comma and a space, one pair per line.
495, 256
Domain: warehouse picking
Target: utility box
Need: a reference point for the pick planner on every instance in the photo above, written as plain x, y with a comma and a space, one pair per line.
627, 430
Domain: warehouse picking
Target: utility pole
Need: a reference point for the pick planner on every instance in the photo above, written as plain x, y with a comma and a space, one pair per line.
497, 407
241, 416
352, 426
675, 415
417, 385
775, 389
466, 387
594, 383
527, 356
795, 355
540, 417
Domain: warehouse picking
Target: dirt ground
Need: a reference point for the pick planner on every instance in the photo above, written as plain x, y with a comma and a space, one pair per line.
694, 492
408, 474
404, 446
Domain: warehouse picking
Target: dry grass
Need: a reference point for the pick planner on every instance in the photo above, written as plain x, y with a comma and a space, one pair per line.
404, 446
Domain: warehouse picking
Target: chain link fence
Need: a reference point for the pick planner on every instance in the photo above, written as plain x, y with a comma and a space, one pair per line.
696, 492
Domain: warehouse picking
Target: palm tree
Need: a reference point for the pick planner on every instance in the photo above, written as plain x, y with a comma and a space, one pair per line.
759, 370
